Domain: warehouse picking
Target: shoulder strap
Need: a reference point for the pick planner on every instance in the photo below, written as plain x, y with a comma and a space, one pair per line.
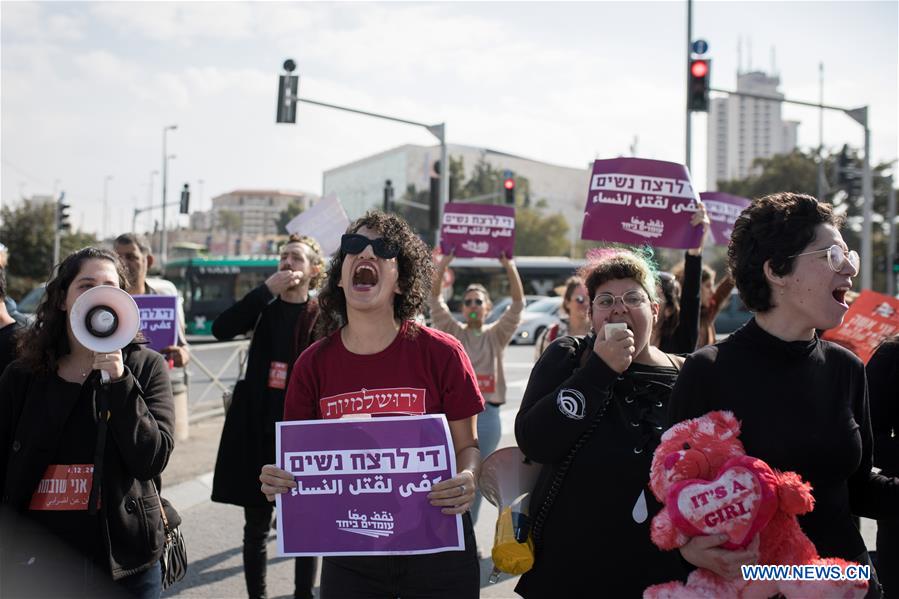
102, 411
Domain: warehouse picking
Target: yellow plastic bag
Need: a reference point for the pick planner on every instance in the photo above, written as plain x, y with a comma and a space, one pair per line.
511, 555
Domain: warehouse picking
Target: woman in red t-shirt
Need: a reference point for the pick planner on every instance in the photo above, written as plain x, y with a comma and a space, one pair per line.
377, 284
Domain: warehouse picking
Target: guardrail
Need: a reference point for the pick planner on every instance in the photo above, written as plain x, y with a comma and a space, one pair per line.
231, 366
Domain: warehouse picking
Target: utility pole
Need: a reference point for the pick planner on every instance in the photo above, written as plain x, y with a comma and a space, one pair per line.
822, 182
687, 103
163, 250
891, 250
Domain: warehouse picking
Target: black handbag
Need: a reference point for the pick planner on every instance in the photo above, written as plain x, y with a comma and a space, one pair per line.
174, 550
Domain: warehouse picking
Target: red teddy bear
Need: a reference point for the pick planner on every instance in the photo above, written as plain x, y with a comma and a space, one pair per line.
708, 449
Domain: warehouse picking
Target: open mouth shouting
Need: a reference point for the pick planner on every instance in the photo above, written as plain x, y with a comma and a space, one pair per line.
839, 294
365, 276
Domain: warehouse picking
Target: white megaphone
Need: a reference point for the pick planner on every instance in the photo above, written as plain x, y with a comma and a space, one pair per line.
506, 480
104, 319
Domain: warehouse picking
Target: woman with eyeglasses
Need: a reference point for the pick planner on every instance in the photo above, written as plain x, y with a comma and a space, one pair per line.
377, 283
576, 316
592, 414
484, 344
803, 402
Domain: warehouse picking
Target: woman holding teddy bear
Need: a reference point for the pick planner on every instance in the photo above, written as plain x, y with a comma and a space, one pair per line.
803, 402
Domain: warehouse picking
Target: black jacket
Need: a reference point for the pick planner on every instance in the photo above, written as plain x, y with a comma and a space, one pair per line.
247, 441
34, 410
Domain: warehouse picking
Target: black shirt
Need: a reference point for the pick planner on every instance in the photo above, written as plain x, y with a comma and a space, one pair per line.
804, 408
596, 536
282, 350
8, 344
76, 443
883, 389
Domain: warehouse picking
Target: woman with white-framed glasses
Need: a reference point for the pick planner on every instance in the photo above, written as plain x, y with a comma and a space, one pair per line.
592, 415
803, 402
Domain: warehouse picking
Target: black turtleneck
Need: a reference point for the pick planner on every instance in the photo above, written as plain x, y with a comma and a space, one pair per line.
803, 407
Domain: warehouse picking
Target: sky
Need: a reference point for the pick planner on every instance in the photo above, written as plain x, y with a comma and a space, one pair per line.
86, 88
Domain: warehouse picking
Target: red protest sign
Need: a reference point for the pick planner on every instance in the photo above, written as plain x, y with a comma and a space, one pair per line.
871, 318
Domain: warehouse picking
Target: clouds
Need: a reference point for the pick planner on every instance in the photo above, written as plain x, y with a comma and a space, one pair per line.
87, 87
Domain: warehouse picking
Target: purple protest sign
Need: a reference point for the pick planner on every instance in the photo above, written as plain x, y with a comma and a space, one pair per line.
158, 319
362, 486
723, 210
478, 230
638, 201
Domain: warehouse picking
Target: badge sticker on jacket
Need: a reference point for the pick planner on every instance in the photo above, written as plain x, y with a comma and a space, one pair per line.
277, 375
486, 383
63, 487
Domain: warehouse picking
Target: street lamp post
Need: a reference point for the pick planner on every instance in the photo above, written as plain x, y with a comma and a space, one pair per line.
106, 205
163, 250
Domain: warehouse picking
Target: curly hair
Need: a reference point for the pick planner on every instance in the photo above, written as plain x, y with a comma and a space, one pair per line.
772, 229
416, 271
314, 255
620, 262
43, 343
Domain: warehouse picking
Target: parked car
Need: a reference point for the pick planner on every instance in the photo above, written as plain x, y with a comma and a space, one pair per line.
734, 315
28, 304
503, 303
536, 318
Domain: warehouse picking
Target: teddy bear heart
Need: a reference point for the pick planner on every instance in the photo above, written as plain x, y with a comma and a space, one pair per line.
738, 502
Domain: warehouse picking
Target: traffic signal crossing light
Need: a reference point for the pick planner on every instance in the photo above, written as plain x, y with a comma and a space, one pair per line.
288, 85
509, 186
698, 84
185, 199
848, 176
62, 215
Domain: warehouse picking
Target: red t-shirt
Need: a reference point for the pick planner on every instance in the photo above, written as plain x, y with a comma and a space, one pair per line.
427, 374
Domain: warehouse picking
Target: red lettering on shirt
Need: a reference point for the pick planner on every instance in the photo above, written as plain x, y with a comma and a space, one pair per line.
277, 375
486, 383
395, 400
63, 487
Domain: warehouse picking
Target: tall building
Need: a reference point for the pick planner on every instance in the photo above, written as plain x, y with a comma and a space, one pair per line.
257, 209
742, 129
360, 184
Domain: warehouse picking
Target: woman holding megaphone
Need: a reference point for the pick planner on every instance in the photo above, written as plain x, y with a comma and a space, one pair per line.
82, 458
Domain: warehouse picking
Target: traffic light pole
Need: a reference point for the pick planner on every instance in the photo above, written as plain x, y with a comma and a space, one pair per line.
689, 133
891, 251
860, 116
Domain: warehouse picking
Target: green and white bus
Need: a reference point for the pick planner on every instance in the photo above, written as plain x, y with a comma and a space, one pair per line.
209, 285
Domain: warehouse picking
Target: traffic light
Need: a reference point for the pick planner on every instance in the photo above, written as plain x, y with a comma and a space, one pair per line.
698, 84
509, 186
185, 200
388, 195
62, 215
848, 176
434, 198
287, 94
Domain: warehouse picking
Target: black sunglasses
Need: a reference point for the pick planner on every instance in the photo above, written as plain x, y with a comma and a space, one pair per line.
474, 302
353, 243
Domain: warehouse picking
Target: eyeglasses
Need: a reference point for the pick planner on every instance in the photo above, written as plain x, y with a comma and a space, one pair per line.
580, 299
474, 301
631, 299
836, 257
353, 243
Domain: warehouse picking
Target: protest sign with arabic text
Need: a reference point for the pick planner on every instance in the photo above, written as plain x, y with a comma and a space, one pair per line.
871, 318
478, 230
638, 201
158, 319
723, 210
362, 486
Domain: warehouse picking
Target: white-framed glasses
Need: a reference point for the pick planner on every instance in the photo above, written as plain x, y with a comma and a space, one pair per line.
631, 299
836, 257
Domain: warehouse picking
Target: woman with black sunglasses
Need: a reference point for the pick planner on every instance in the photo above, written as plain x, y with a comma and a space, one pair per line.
376, 286
803, 402
592, 414
484, 344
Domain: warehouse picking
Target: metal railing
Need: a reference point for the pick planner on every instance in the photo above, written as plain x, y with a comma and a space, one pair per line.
230, 369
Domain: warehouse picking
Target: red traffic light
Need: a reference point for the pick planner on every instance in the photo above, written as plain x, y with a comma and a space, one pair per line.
509, 183
699, 68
